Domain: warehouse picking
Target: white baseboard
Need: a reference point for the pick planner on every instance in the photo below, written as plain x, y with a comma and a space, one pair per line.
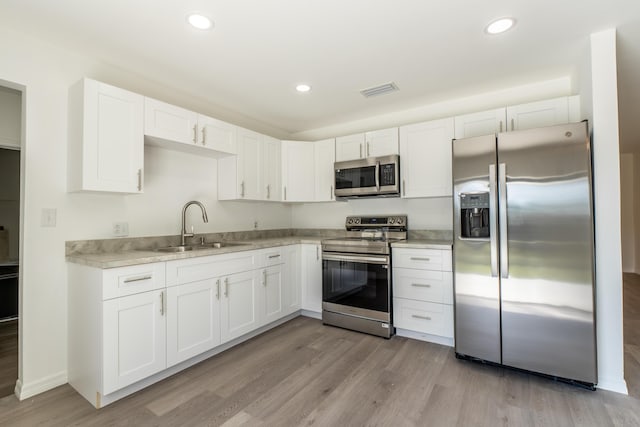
618, 385
425, 337
312, 314
25, 391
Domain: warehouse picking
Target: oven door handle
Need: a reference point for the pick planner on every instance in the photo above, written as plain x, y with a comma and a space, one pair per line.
356, 258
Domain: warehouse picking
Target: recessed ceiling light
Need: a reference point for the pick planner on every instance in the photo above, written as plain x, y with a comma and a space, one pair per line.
303, 88
199, 21
500, 25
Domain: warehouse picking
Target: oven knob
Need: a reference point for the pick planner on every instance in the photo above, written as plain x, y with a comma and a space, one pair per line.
391, 220
399, 220
357, 220
350, 221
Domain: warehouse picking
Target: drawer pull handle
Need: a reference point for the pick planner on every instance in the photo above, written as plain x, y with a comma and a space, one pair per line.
420, 259
420, 285
138, 279
421, 317
274, 256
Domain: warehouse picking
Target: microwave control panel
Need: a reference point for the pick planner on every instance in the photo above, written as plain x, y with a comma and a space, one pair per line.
388, 174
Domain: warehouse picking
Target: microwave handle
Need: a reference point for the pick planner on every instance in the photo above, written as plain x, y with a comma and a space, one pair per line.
377, 176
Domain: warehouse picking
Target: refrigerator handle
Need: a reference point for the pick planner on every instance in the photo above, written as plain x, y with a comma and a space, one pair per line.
493, 220
504, 250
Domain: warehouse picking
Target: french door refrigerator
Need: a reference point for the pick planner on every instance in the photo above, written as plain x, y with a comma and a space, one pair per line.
523, 251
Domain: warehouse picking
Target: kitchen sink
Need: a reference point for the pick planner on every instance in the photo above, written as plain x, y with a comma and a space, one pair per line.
210, 245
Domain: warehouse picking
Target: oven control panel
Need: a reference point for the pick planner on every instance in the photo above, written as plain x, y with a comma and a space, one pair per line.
375, 221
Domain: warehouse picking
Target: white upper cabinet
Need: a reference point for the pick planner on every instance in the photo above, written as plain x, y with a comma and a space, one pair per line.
425, 159
482, 123
324, 156
538, 114
519, 117
381, 142
369, 144
240, 176
168, 124
298, 171
271, 169
106, 143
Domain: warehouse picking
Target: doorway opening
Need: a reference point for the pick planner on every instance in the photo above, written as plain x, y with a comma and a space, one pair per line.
10, 152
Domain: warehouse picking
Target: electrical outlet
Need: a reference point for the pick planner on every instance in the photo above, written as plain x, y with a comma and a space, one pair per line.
48, 218
255, 225
120, 229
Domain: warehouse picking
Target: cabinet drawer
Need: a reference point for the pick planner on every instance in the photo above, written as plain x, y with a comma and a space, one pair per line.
271, 256
207, 267
425, 259
118, 282
423, 285
426, 317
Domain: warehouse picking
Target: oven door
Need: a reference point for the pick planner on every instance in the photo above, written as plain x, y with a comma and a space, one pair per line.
356, 284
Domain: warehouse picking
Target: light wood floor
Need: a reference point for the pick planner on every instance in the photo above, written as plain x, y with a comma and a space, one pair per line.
8, 357
304, 373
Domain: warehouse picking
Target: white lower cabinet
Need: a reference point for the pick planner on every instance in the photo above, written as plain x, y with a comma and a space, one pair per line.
133, 339
292, 290
312, 277
273, 291
423, 293
239, 309
193, 319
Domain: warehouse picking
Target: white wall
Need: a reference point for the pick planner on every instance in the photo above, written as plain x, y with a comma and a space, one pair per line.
627, 205
46, 72
606, 172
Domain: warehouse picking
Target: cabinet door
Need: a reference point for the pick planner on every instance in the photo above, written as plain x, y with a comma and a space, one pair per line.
134, 335
107, 154
217, 135
298, 168
249, 164
170, 123
273, 286
350, 147
324, 156
538, 114
272, 169
425, 159
381, 142
291, 277
240, 304
312, 278
482, 123
193, 319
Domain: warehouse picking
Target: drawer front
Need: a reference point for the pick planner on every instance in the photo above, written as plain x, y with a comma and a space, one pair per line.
424, 259
122, 281
423, 285
207, 267
272, 256
425, 317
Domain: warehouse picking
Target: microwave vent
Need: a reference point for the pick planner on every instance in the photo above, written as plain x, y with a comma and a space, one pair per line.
379, 90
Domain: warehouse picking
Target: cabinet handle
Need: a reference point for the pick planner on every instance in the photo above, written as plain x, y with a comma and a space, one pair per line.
368, 149
218, 289
421, 317
420, 259
162, 303
285, 192
331, 193
264, 278
360, 150
138, 279
269, 191
500, 125
404, 188
317, 253
139, 179
226, 287
420, 285
204, 135
195, 134
512, 125
274, 256
242, 189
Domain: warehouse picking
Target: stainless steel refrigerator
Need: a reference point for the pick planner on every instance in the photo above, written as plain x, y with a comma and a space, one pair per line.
523, 251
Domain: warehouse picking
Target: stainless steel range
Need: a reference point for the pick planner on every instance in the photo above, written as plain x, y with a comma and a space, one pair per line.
356, 274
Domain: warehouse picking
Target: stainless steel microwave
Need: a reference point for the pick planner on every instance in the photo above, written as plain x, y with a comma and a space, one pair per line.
370, 177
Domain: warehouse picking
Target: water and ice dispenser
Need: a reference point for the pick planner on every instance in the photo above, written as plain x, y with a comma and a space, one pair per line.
474, 215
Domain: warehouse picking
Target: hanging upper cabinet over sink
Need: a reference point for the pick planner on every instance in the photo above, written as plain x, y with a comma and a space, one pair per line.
106, 143
178, 128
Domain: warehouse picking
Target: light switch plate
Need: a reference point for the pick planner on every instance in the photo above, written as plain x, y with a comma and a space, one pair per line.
120, 229
48, 218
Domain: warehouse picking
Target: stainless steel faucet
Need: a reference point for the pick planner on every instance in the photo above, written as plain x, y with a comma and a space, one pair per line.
183, 233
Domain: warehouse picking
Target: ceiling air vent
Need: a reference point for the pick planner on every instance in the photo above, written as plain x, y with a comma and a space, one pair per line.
379, 90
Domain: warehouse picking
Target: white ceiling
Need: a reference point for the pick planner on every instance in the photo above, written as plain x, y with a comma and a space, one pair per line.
259, 50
